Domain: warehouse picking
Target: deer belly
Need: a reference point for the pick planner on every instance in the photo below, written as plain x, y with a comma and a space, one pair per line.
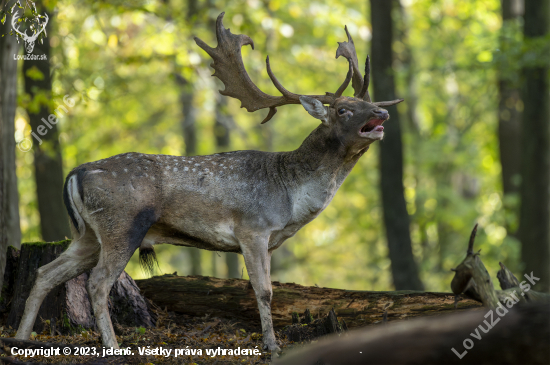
213, 237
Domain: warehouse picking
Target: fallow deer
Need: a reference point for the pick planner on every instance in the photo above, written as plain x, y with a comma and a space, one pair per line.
247, 202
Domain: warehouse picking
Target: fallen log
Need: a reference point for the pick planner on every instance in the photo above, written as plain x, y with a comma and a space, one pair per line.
235, 299
67, 307
521, 336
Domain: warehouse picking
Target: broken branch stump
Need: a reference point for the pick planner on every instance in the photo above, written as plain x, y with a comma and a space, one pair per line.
473, 280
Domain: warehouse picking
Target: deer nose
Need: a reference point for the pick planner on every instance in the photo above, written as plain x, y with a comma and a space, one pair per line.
381, 113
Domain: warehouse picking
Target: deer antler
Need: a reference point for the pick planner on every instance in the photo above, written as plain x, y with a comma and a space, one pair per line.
229, 68
347, 49
360, 85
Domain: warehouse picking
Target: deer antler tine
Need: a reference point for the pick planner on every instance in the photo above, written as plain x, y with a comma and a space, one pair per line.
287, 94
364, 94
388, 103
347, 49
220, 31
343, 87
269, 115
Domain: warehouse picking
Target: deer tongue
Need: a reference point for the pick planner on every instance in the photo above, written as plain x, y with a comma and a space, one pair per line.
371, 124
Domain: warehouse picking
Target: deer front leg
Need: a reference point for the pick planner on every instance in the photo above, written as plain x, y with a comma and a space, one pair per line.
257, 259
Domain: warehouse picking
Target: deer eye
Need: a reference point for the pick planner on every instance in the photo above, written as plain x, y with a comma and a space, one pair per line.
341, 111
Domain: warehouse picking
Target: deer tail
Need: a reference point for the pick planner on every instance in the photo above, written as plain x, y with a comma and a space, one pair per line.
148, 260
72, 197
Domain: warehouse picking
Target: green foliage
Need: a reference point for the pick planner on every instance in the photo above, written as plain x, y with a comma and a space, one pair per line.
118, 61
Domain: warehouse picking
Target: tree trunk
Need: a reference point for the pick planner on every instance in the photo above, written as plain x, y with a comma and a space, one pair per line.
48, 165
10, 232
190, 137
235, 299
535, 156
8, 287
67, 306
189, 128
396, 219
9, 206
509, 121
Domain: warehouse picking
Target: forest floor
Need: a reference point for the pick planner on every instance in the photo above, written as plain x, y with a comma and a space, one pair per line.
173, 331
195, 337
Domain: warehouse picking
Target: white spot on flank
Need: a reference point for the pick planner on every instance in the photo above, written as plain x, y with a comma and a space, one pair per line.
152, 178
194, 170
114, 174
175, 169
95, 211
225, 167
146, 175
95, 171
197, 164
125, 170
186, 168
116, 158
167, 167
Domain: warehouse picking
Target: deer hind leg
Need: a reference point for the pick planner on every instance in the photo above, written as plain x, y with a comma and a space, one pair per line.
116, 250
81, 255
257, 259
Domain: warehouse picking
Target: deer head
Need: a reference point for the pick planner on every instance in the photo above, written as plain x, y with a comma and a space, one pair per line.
29, 41
355, 120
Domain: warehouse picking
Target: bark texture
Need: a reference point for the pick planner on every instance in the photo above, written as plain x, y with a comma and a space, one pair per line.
535, 156
396, 218
235, 299
10, 232
66, 307
48, 164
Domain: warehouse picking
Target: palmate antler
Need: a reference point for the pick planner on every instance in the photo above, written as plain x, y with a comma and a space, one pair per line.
229, 68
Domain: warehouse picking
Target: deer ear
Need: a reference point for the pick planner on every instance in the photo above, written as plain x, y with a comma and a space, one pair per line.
315, 108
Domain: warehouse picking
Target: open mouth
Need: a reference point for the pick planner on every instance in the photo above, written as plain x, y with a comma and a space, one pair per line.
373, 125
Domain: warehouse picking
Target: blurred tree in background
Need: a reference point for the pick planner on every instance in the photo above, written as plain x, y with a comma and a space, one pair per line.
48, 163
141, 84
535, 147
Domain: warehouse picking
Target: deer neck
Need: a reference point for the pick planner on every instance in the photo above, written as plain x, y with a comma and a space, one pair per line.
322, 158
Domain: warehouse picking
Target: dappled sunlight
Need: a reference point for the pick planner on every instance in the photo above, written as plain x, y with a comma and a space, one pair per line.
120, 66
